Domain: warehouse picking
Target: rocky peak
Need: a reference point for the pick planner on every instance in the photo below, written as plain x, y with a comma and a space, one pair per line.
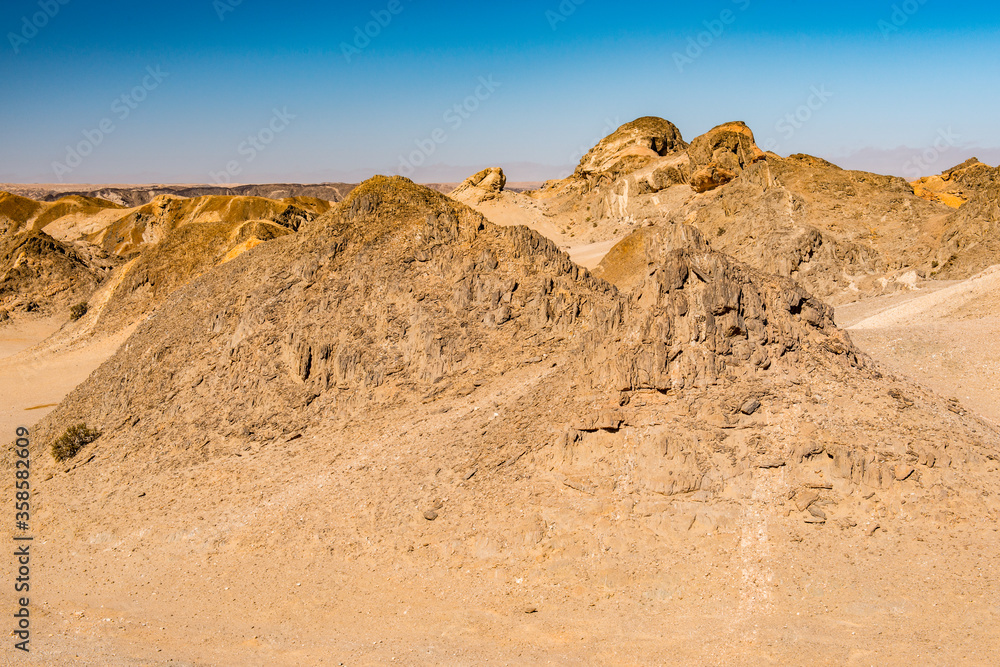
957, 186
968, 164
630, 147
481, 186
721, 154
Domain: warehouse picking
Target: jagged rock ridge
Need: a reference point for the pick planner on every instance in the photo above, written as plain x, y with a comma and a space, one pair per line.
402, 286
401, 297
843, 235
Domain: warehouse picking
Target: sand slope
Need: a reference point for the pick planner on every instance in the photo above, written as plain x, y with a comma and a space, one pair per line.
945, 337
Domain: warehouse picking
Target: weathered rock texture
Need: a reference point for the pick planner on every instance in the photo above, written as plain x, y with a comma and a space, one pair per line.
127, 260
721, 154
630, 147
956, 186
43, 276
482, 186
843, 235
970, 241
401, 300
637, 256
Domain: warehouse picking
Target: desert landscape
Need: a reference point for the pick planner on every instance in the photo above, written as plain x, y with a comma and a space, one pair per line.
694, 403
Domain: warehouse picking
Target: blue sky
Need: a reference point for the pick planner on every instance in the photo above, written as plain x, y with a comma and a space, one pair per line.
254, 91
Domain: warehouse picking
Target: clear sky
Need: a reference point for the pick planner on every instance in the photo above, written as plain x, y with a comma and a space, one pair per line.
253, 91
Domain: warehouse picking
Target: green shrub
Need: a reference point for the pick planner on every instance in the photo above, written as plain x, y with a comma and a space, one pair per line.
78, 311
72, 441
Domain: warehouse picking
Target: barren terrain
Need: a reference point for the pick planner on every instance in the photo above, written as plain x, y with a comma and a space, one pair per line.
610, 420
945, 336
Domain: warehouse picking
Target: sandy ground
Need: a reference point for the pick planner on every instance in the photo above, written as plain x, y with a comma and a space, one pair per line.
21, 335
585, 244
590, 255
35, 377
851, 604
944, 336
830, 597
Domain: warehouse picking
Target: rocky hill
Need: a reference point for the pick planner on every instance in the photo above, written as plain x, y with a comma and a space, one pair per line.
169, 242
417, 316
630, 148
482, 186
150, 224
23, 214
721, 155
956, 186
970, 240
843, 235
407, 390
42, 276
62, 253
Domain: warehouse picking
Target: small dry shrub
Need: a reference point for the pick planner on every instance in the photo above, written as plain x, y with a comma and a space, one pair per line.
72, 441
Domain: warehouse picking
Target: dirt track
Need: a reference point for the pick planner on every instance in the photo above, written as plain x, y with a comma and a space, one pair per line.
944, 337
